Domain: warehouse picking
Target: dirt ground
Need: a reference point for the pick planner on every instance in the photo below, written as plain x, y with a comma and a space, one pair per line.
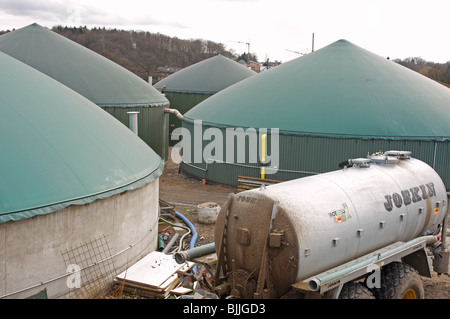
187, 193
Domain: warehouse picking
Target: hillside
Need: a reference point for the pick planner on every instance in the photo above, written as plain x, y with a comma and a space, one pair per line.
437, 71
143, 52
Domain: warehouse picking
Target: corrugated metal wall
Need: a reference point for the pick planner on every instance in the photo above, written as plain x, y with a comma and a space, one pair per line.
301, 156
441, 162
182, 102
152, 125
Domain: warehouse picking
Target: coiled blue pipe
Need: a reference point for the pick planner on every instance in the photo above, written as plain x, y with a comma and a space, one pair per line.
194, 234
191, 226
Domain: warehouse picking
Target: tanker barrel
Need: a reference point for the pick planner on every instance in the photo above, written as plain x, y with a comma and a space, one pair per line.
183, 256
371, 204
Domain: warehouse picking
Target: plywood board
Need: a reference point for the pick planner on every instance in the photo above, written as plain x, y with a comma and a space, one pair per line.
181, 291
156, 270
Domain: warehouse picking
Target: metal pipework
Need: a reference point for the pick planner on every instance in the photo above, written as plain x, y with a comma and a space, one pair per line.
175, 112
185, 255
171, 243
263, 155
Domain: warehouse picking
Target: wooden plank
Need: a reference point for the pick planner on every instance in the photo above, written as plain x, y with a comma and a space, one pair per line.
256, 179
149, 293
181, 291
247, 183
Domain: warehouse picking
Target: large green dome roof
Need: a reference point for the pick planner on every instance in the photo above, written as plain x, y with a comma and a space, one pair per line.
341, 90
58, 148
206, 77
98, 79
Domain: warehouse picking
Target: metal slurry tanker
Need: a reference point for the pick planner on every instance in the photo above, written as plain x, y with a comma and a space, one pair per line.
342, 234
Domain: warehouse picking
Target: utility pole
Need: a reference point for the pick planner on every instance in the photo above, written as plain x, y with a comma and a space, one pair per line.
313, 42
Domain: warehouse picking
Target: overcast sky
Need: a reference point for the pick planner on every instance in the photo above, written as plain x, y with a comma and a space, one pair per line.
274, 28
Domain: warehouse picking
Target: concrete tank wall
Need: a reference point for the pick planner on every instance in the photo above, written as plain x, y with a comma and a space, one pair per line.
32, 250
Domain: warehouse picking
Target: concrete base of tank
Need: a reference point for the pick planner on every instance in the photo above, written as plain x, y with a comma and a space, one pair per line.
33, 251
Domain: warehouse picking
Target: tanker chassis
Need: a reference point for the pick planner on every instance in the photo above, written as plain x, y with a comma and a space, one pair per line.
368, 230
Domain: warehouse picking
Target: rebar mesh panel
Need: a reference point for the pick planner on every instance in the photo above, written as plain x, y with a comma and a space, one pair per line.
93, 258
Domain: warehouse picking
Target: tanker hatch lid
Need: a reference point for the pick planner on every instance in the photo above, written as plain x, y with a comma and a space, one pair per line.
361, 162
383, 159
399, 154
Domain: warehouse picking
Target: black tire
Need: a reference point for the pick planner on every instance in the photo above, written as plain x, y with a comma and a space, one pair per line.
355, 290
399, 281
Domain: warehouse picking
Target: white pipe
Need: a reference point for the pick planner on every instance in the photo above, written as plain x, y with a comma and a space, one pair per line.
133, 121
174, 111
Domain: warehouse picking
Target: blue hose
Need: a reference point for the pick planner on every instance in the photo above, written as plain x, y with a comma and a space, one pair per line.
191, 226
194, 234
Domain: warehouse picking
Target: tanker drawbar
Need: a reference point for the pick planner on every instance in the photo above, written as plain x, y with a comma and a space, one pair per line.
327, 233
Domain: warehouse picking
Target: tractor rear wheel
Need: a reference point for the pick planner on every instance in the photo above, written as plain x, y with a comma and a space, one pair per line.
399, 281
355, 290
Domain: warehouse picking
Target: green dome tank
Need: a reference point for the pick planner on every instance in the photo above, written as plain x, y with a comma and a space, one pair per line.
341, 90
206, 77
338, 102
105, 83
59, 149
190, 86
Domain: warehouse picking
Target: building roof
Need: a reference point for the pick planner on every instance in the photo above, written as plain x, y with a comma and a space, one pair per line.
206, 77
95, 77
341, 90
58, 148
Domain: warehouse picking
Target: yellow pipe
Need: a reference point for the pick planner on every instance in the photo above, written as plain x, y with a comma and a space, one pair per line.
263, 155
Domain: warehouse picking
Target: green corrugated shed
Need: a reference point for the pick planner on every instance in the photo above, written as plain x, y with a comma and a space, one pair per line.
194, 84
339, 102
97, 78
59, 149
